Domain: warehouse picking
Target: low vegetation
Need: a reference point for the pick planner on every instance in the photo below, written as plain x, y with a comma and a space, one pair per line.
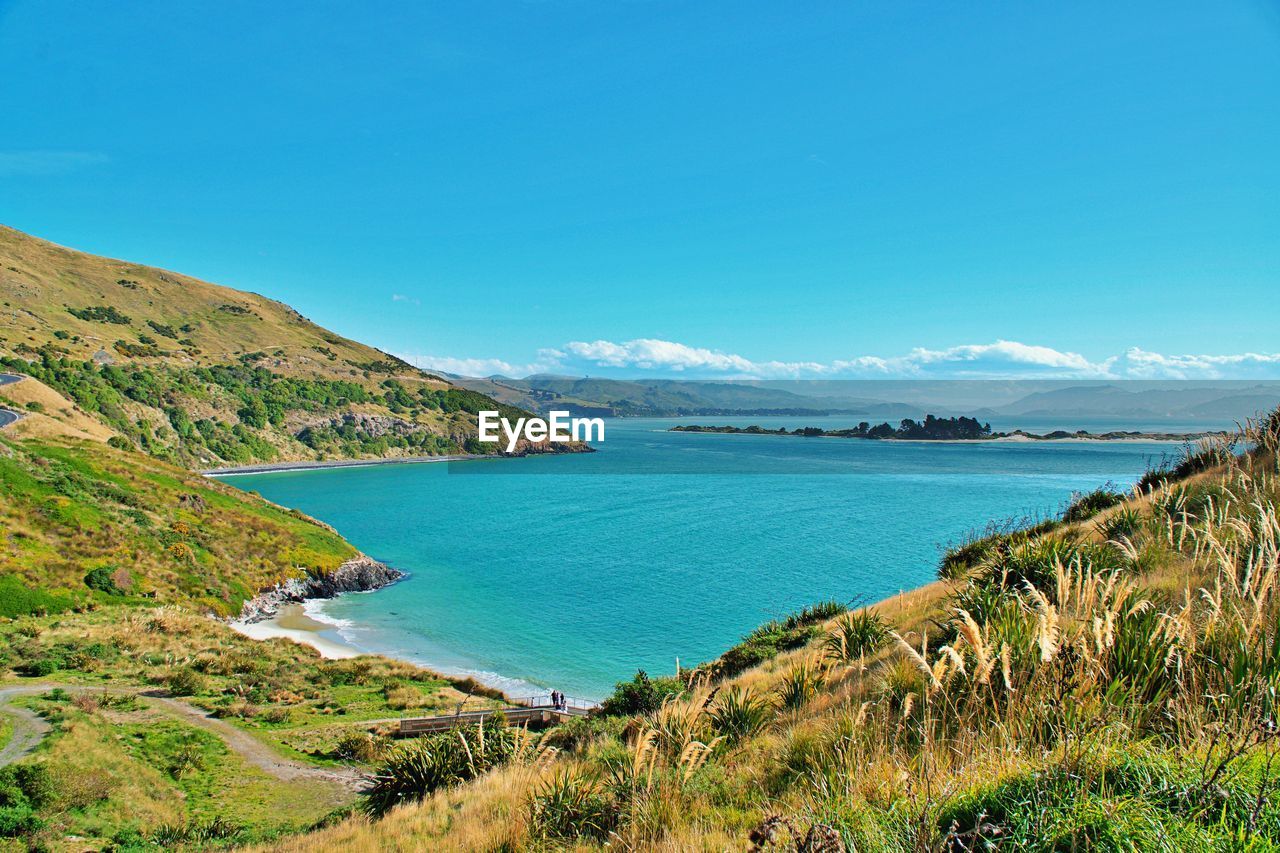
930, 429
124, 770
86, 525
254, 414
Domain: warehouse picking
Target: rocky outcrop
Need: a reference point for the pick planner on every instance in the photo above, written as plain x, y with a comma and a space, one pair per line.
360, 574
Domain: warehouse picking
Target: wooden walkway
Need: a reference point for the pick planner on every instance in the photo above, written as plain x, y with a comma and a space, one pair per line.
534, 716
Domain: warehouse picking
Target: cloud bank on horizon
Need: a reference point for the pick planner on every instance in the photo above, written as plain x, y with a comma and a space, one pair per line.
999, 360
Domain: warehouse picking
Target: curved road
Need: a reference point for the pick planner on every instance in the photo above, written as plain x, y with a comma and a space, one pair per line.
8, 416
30, 728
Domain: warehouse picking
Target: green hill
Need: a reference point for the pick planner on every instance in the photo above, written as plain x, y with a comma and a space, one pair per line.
206, 376
83, 305
113, 551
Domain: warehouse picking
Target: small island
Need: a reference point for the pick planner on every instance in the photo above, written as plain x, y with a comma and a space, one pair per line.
945, 429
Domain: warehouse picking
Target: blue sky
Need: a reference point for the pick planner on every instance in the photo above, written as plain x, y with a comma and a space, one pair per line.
695, 188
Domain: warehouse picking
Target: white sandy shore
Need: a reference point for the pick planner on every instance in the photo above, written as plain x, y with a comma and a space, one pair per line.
293, 623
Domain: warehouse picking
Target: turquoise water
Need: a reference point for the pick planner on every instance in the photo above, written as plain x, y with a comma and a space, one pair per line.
573, 571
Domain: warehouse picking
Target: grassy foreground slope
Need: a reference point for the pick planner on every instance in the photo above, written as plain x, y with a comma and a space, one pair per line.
1109, 682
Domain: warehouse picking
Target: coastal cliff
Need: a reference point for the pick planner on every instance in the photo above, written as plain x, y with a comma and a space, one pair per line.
359, 574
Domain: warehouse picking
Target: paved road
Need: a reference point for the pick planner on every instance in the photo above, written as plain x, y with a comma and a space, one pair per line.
30, 728
8, 416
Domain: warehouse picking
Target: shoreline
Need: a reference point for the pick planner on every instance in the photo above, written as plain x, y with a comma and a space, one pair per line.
1003, 439
293, 622
300, 620
321, 464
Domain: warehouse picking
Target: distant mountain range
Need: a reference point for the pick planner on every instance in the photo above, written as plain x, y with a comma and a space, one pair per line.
1148, 401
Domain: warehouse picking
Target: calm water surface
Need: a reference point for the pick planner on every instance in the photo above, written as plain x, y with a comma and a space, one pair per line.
573, 571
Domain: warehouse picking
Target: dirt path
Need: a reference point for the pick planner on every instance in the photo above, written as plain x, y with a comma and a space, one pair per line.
253, 750
29, 729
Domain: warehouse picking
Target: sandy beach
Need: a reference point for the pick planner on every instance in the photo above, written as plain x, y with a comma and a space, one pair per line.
293, 623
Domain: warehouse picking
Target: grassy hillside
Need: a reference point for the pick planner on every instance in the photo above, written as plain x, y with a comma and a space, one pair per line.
85, 304
113, 552
144, 529
1106, 682
206, 376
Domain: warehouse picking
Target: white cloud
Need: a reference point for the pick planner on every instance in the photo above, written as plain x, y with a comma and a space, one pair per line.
1140, 364
997, 360
548, 360
650, 354
400, 297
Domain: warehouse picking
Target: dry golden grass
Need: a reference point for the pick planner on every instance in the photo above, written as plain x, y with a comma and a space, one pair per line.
40, 279
57, 418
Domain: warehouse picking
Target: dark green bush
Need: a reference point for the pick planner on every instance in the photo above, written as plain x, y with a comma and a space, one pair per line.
450, 758
101, 579
24, 788
570, 806
640, 695
1090, 504
18, 599
779, 635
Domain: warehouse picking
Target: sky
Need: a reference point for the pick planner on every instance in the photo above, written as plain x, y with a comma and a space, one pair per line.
681, 188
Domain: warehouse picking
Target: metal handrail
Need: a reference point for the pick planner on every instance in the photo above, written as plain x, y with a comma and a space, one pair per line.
543, 700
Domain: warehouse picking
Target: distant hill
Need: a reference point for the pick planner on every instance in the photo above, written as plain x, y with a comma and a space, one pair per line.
670, 397
1140, 400
1152, 401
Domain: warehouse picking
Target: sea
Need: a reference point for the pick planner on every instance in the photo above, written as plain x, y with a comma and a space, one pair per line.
662, 549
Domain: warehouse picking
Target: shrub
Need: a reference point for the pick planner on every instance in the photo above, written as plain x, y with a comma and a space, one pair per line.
579, 733
450, 758
856, 635
102, 580
640, 695
1125, 522
765, 642
738, 714
100, 314
1202, 456
1090, 504
18, 599
41, 667
799, 686
185, 682
198, 833
979, 546
24, 788
361, 747
569, 806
